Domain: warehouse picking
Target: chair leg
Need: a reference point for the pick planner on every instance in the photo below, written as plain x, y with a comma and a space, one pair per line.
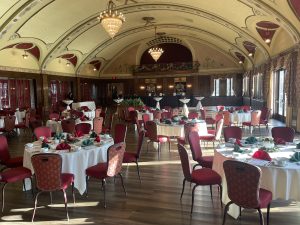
87, 185
3, 188
158, 150
225, 212
261, 218
196, 166
24, 185
169, 146
138, 171
50, 197
183, 185
31, 184
35, 203
103, 187
66, 203
268, 214
221, 190
240, 208
123, 183
73, 193
210, 187
193, 198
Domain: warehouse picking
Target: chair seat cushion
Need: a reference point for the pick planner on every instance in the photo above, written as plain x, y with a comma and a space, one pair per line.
181, 140
129, 157
263, 122
206, 176
208, 137
98, 171
105, 130
66, 180
210, 121
265, 197
14, 162
206, 161
213, 132
161, 138
20, 126
15, 174
246, 123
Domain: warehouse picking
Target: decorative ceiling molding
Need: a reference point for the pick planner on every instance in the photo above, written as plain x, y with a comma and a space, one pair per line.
295, 6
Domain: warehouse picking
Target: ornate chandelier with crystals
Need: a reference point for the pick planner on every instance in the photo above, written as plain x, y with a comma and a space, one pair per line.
155, 51
111, 19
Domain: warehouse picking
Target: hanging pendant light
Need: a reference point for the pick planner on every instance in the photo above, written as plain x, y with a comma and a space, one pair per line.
111, 19
155, 51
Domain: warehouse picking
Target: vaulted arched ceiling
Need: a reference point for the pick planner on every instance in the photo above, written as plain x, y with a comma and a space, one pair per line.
61, 28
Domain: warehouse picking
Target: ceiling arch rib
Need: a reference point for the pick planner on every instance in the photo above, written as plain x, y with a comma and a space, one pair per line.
67, 39
125, 34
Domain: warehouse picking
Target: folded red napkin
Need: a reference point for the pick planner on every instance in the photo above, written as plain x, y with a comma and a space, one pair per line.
182, 122
279, 141
97, 139
261, 154
238, 142
63, 146
78, 133
85, 108
46, 140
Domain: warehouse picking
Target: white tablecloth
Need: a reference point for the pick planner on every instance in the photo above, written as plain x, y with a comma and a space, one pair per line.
20, 115
90, 104
90, 114
54, 125
240, 117
74, 162
2, 121
283, 182
140, 115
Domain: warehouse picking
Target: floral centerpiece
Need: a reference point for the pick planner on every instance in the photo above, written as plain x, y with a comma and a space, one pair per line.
268, 142
135, 102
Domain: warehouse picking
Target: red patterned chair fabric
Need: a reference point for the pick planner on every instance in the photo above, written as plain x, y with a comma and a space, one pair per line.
166, 115
255, 119
42, 132
200, 177
47, 168
85, 128
14, 175
243, 181
193, 115
5, 159
188, 127
134, 156
98, 112
9, 124
232, 132
265, 116
145, 118
120, 132
108, 124
68, 126
285, 133
156, 115
98, 124
111, 168
54, 116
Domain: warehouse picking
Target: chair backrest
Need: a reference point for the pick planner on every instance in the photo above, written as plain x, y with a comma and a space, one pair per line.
108, 123
264, 111
27, 119
97, 124
243, 181
157, 115
219, 129
195, 145
168, 108
189, 127
115, 154
151, 130
4, 153
140, 143
85, 128
132, 115
286, 133
145, 118
9, 123
232, 132
35, 123
42, 132
185, 162
203, 114
98, 112
220, 107
175, 112
120, 133
54, 116
255, 117
226, 117
68, 126
47, 170
193, 115
166, 115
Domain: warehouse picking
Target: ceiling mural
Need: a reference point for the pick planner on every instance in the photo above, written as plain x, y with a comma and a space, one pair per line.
68, 38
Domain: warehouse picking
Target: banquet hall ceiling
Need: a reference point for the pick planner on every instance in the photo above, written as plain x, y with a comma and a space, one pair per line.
60, 32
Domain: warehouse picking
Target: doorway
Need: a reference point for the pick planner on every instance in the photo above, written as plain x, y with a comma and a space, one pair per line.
279, 96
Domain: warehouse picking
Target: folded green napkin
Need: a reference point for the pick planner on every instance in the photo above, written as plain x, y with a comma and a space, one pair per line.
45, 145
93, 135
251, 140
87, 142
237, 148
298, 146
58, 136
295, 157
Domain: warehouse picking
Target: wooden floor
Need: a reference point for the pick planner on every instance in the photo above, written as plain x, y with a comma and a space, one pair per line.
155, 201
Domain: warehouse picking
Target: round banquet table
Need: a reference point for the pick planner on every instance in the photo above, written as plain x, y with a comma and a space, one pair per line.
240, 117
283, 182
73, 162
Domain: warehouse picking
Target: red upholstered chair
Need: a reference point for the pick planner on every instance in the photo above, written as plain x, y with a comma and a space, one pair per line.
107, 124
134, 156
214, 137
220, 107
153, 137
193, 115
68, 126
265, 116
14, 175
188, 127
166, 115
47, 168
54, 116
85, 128
199, 177
226, 117
204, 161
9, 125
285, 133
97, 124
5, 159
156, 115
98, 112
208, 120
24, 125
120, 132
243, 182
175, 112
255, 119
34, 124
42, 132
232, 132
145, 118
111, 168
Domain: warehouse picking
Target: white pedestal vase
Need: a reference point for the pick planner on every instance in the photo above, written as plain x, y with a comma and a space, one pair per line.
199, 105
157, 99
185, 109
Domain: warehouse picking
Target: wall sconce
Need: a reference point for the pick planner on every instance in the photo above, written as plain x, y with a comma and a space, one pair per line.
25, 56
94, 69
159, 87
142, 87
189, 85
68, 64
171, 86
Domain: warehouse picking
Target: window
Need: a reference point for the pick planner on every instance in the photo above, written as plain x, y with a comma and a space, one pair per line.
59, 91
229, 87
216, 87
223, 87
246, 86
257, 88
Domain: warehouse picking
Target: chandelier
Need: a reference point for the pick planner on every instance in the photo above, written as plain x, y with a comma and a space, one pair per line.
111, 19
155, 51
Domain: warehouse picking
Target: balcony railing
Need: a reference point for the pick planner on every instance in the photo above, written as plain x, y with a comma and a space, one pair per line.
161, 68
